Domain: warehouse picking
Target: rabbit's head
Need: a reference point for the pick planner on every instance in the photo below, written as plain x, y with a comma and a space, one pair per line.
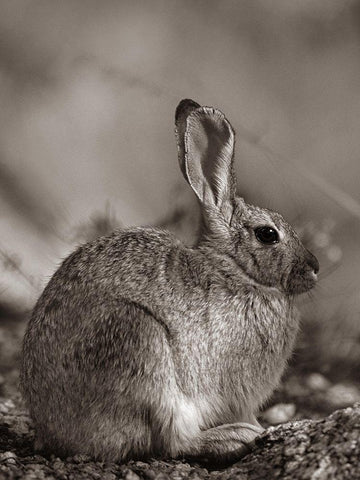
258, 240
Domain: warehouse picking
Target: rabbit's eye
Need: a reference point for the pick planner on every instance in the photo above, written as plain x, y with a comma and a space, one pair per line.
267, 235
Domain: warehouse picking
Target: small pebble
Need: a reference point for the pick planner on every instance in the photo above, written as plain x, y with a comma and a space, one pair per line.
280, 413
8, 457
6, 405
5, 455
317, 382
108, 476
162, 476
340, 395
130, 475
58, 465
80, 458
149, 474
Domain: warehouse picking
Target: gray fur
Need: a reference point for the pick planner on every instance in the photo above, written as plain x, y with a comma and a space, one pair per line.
141, 346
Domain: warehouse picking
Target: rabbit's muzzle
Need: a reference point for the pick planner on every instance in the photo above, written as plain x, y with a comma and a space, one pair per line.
312, 262
303, 274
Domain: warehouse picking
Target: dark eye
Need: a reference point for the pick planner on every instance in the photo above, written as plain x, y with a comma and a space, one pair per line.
267, 235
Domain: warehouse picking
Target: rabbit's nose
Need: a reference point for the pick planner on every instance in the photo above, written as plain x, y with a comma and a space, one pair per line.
312, 261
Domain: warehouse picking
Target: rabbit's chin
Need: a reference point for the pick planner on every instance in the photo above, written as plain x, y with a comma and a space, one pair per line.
301, 282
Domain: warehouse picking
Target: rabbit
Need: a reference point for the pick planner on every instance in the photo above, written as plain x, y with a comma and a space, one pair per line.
141, 346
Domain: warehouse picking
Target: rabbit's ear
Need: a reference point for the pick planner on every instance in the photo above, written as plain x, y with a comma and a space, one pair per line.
206, 146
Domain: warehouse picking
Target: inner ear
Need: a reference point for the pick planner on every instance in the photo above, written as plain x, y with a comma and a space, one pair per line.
183, 110
209, 146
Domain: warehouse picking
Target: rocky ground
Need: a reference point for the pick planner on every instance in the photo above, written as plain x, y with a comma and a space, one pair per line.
305, 449
314, 433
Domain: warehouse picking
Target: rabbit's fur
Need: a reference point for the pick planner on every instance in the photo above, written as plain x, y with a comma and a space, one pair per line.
141, 346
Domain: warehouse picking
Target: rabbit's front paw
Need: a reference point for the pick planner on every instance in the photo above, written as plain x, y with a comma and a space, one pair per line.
225, 443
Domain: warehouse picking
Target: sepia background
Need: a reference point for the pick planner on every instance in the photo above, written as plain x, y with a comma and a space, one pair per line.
88, 91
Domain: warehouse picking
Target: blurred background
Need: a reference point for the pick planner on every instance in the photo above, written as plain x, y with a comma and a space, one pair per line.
88, 91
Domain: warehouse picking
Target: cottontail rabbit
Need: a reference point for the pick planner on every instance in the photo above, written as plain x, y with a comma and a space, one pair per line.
141, 346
